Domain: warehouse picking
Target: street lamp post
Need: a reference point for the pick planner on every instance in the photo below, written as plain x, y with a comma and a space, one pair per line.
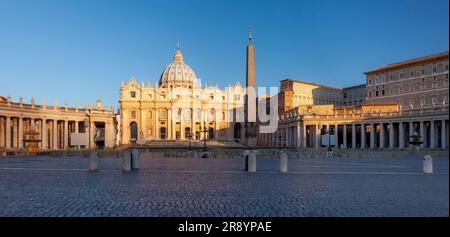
329, 132
205, 132
415, 141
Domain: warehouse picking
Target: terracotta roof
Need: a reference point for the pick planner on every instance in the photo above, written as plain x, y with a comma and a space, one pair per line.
409, 62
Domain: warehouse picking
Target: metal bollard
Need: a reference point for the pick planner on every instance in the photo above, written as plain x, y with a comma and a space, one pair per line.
245, 159
93, 161
283, 162
135, 155
427, 164
252, 162
126, 161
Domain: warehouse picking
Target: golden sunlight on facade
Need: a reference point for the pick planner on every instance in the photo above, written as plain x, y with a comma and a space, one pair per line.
179, 108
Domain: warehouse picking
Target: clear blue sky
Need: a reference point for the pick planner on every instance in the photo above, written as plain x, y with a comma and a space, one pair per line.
81, 50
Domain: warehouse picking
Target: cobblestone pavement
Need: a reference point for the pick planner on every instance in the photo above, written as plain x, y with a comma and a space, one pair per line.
62, 186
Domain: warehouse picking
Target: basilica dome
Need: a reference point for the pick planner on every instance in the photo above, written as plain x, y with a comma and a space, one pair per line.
178, 74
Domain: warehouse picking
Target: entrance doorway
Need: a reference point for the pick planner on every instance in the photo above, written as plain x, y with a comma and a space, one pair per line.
134, 132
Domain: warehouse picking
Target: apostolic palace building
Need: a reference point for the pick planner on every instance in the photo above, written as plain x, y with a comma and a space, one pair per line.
397, 101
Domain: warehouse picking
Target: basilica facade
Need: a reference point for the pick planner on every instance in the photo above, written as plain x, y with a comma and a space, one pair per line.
179, 108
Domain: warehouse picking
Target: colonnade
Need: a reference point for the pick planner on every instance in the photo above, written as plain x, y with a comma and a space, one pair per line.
433, 133
54, 133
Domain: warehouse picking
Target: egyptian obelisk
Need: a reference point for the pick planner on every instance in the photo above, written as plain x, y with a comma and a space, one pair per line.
250, 98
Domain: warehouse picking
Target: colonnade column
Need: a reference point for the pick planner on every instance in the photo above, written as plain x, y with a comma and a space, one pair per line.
344, 135
422, 134
2, 132
43, 133
363, 136
317, 136
391, 135
411, 131
353, 136
336, 135
20, 120
299, 135
372, 136
381, 136
304, 136
55, 134
432, 135
401, 136
443, 135
287, 138
8, 132
66, 134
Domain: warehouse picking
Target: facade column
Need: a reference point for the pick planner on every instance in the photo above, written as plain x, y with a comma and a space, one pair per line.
43, 133
157, 123
8, 132
382, 136
169, 125
422, 134
401, 136
432, 135
20, 120
317, 135
443, 135
372, 136
174, 124
182, 125
193, 129
353, 136
344, 135
66, 134
55, 134
391, 135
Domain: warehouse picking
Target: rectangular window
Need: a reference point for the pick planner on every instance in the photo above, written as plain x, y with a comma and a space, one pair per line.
162, 114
